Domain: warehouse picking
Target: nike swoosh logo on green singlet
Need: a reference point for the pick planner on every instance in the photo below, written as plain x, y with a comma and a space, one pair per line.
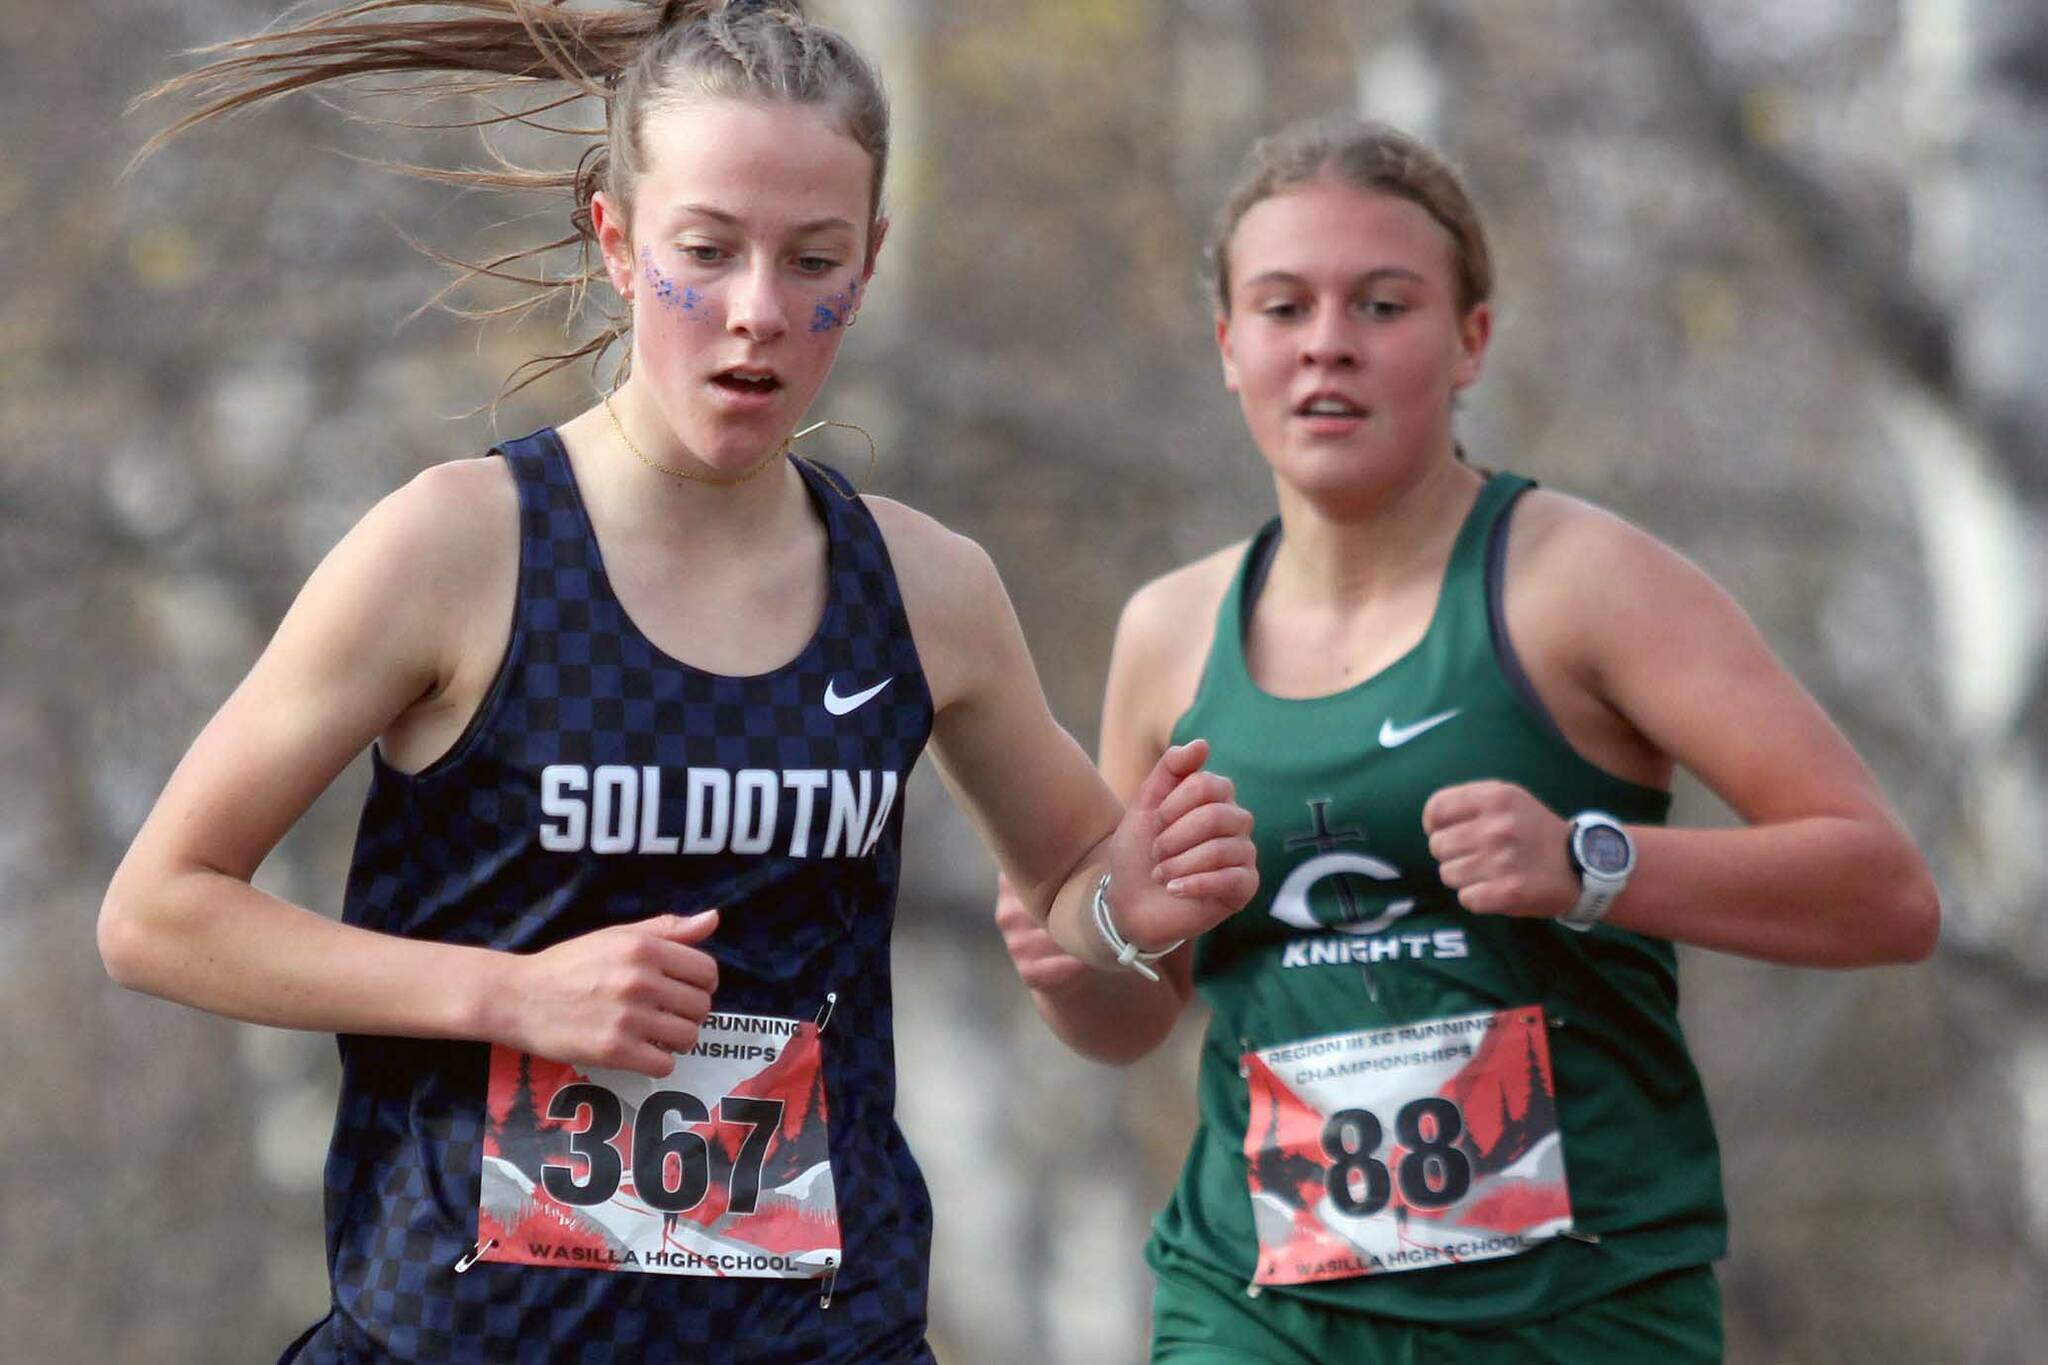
1393, 736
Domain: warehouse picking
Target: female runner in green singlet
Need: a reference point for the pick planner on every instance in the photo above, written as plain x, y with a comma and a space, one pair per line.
1446, 1110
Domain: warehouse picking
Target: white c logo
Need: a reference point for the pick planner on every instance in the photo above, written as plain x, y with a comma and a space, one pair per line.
1290, 903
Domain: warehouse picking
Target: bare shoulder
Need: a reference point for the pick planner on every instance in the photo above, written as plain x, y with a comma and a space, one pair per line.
1162, 644
914, 533
1559, 545
454, 512
1591, 594
939, 571
1170, 622
960, 614
416, 603
440, 545
425, 579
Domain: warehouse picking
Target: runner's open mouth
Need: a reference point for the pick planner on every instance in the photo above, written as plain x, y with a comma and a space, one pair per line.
1326, 406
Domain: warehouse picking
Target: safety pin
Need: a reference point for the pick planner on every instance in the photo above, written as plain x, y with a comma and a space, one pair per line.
831, 1278
825, 1012
473, 1255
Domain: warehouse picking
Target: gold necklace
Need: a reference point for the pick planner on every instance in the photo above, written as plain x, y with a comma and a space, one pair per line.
639, 455
850, 426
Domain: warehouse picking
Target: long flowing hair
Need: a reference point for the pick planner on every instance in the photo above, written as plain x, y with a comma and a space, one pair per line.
529, 62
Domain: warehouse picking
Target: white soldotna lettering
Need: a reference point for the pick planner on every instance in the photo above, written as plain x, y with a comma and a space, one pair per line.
709, 811
652, 840
754, 792
614, 804
561, 788
807, 783
849, 819
881, 813
615, 809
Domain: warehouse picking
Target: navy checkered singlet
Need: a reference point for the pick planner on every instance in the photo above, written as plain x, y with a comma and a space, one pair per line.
491, 846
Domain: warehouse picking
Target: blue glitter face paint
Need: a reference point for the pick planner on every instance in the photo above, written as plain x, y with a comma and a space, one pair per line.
684, 300
835, 310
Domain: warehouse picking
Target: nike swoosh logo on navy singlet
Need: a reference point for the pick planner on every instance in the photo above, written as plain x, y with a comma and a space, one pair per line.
839, 705
1393, 736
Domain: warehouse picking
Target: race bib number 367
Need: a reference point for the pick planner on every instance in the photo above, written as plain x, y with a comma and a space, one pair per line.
1402, 1148
720, 1168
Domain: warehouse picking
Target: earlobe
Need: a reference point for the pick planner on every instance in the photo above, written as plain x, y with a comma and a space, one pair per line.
614, 242
1223, 352
875, 239
1474, 332
867, 268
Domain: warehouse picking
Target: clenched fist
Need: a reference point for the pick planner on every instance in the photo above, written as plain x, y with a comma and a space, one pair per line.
1182, 861
631, 996
1501, 850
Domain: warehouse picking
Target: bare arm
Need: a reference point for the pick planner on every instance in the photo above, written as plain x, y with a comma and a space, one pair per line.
379, 632
1821, 875
1180, 857
1151, 676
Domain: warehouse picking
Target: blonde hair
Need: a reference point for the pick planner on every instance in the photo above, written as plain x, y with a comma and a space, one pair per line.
636, 59
1367, 156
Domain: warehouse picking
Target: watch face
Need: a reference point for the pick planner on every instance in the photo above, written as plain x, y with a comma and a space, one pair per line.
1603, 849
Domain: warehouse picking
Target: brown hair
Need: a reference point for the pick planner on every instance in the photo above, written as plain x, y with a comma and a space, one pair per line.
1368, 156
637, 59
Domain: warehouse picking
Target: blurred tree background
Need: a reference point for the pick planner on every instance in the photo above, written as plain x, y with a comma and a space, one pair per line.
1775, 287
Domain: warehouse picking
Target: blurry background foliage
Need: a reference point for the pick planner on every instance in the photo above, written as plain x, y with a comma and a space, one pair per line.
1774, 286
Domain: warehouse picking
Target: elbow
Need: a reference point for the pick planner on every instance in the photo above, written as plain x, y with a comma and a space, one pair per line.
121, 940
121, 951
1917, 920
1906, 924
126, 943
1885, 910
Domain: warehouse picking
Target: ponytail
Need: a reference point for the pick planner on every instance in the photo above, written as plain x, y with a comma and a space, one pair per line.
524, 60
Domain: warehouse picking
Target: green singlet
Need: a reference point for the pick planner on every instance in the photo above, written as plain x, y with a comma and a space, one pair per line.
1408, 1111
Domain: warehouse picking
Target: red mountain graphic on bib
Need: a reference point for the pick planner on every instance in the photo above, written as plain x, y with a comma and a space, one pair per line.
1405, 1147
797, 1147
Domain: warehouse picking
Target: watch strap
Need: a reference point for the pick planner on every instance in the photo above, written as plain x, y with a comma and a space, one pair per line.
1597, 890
1594, 902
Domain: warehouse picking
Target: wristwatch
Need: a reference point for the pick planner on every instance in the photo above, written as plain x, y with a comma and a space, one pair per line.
1602, 855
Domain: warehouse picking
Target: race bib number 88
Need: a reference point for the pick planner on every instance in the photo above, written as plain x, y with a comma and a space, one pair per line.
722, 1167
1402, 1148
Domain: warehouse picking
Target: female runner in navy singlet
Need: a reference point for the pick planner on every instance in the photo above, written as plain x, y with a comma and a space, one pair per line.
642, 690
